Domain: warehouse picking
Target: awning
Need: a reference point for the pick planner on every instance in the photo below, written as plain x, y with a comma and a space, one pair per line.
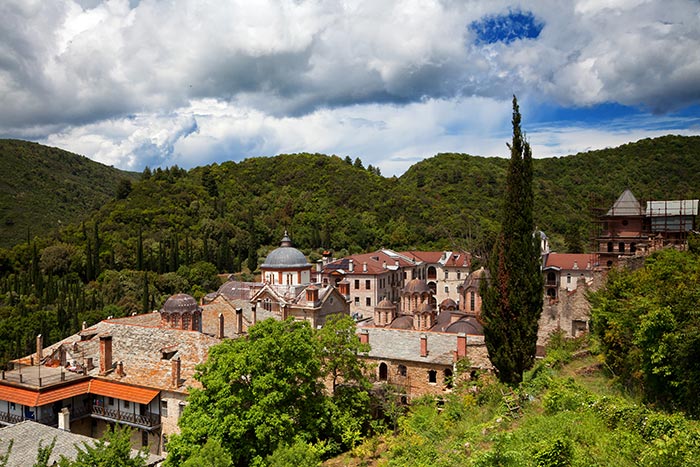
122, 391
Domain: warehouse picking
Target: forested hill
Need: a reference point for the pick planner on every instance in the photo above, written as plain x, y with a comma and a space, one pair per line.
43, 187
446, 201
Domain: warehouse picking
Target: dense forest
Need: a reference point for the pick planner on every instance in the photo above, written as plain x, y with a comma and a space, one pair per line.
83, 241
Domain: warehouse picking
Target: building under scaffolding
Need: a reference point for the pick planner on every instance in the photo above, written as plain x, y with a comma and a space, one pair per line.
629, 229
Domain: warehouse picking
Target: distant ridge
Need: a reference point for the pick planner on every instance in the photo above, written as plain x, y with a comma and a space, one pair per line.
44, 187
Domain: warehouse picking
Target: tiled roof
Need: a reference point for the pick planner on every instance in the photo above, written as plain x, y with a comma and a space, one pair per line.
27, 436
375, 262
64, 392
137, 341
398, 344
566, 261
126, 392
19, 395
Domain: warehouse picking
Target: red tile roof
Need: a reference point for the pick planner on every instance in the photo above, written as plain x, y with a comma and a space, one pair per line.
125, 392
565, 261
64, 392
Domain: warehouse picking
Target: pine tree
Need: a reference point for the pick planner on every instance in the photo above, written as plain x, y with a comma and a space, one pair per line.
512, 297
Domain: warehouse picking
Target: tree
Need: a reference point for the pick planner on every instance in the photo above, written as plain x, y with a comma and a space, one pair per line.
512, 296
340, 347
114, 450
210, 455
258, 392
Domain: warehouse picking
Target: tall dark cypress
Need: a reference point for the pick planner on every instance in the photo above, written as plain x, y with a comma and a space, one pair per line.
512, 296
139, 251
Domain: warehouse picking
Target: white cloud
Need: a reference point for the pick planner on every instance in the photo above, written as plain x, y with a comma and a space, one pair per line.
187, 82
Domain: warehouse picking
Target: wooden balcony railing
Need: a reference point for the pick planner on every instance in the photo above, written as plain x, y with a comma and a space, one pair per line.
148, 419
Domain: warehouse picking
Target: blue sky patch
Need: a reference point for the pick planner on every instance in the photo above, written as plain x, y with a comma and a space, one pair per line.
506, 28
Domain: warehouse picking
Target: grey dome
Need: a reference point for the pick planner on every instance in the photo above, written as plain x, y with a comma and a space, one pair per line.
417, 286
285, 257
180, 303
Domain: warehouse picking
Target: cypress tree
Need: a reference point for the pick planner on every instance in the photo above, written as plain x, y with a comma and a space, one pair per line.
512, 296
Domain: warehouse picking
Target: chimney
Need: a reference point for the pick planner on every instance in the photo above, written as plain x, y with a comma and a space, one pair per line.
62, 356
105, 353
575, 264
423, 345
344, 288
384, 265
364, 267
461, 345
64, 419
351, 266
175, 374
220, 334
364, 336
120, 369
312, 294
39, 349
84, 325
239, 320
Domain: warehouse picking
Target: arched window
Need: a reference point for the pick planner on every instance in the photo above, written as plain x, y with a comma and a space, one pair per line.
432, 273
383, 371
402, 370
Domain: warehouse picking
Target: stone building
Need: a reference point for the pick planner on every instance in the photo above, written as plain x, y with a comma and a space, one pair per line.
133, 371
416, 349
563, 271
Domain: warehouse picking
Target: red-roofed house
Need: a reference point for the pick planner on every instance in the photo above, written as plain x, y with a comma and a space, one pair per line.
562, 271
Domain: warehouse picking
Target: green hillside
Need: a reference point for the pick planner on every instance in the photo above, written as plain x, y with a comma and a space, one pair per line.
570, 413
44, 188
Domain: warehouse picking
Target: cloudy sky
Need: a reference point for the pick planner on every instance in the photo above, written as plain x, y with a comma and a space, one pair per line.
133, 83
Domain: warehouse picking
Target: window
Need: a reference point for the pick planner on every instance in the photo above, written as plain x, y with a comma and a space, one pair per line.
267, 304
472, 300
164, 408
357, 300
610, 247
459, 275
126, 404
382, 371
12, 406
568, 278
621, 247
402, 370
447, 289
447, 275
432, 376
368, 285
110, 401
357, 284
368, 301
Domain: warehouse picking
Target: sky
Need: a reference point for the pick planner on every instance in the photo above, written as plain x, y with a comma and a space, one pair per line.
158, 83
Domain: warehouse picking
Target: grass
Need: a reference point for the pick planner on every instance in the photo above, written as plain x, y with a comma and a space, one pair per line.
572, 416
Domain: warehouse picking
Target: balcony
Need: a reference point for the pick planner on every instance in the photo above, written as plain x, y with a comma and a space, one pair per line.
146, 420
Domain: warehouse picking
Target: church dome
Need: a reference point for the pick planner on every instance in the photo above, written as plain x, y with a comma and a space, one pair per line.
285, 257
180, 303
385, 305
448, 304
417, 286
